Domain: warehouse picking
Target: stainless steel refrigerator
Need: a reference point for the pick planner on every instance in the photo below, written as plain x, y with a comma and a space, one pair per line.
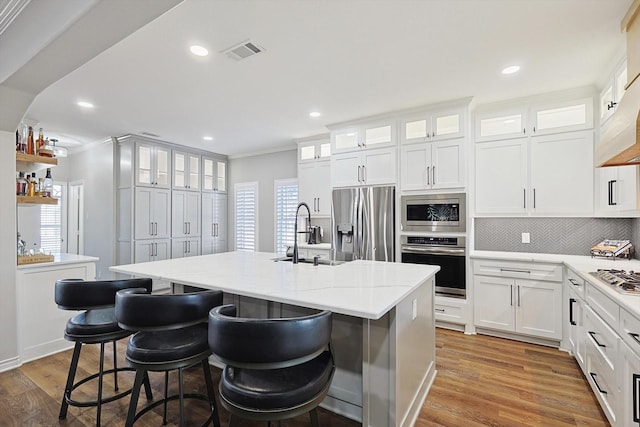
363, 223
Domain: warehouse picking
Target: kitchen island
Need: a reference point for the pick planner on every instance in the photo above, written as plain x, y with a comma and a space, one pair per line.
384, 330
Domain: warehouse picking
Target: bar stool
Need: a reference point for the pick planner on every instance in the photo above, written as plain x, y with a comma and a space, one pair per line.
171, 335
95, 325
275, 368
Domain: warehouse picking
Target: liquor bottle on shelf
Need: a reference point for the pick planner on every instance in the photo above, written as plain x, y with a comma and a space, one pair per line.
31, 149
31, 191
40, 142
48, 184
21, 185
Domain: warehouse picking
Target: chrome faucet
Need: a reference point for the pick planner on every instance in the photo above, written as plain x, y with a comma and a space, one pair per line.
295, 230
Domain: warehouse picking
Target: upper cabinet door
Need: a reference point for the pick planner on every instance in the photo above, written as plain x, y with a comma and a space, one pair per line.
346, 140
447, 124
153, 165
613, 92
506, 124
379, 135
186, 171
562, 117
309, 151
214, 175
374, 135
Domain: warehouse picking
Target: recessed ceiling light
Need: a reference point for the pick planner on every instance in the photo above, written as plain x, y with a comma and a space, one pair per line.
315, 114
511, 69
85, 104
199, 50
207, 138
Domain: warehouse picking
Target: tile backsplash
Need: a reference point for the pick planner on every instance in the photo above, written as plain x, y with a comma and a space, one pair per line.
571, 236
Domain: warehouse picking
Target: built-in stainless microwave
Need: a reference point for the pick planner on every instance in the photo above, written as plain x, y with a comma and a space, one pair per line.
434, 212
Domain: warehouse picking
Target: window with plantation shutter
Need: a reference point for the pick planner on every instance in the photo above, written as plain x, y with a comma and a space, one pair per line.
51, 223
246, 195
286, 197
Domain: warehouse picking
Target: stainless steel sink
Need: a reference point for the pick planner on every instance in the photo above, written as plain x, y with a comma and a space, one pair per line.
321, 261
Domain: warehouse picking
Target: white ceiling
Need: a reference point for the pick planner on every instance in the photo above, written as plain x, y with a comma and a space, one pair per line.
346, 59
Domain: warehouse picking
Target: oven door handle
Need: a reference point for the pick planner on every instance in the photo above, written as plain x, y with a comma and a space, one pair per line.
435, 251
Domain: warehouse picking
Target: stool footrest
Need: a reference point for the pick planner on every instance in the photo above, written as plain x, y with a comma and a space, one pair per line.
150, 406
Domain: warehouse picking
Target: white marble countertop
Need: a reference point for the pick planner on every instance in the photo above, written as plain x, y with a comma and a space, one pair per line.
366, 289
59, 259
582, 265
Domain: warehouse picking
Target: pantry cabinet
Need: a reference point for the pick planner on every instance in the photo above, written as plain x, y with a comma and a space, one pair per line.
152, 250
521, 298
186, 171
153, 165
185, 214
214, 223
214, 175
152, 218
366, 167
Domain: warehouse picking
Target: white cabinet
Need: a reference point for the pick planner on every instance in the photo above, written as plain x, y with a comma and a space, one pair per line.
152, 213
152, 250
617, 189
366, 167
153, 165
560, 168
430, 166
433, 126
501, 176
214, 223
314, 186
612, 92
185, 214
629, 382
562, 173
314, 175
535, 119
518, 297
185, 247
309, 151
357, 137
214, 175
574, 306
186, 171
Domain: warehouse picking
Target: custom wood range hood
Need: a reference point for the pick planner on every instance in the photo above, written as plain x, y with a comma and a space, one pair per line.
620, 143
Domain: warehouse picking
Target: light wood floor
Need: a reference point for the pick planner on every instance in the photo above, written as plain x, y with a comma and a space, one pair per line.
481, 381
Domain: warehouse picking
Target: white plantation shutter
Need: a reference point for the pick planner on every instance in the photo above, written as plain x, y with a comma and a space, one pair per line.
246, 216
286, 203
51, 223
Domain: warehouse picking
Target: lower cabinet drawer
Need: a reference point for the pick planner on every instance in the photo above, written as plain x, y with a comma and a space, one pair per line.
603, 383
448, 313
601, 339
606, 308
630, 330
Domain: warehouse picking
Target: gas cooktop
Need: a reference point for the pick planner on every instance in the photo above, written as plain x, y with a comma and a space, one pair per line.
626, 282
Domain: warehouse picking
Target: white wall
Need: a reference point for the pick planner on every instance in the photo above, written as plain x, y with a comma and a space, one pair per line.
94, 168
8, 319
263, 168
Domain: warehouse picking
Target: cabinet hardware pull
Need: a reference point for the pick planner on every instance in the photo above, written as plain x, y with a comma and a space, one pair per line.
611, 105
364, 173
151, 229
534, 129
593, 377
428, 175
524, 197
636, 383
184, 228
358, 170
593, 337
573, 282
184, 247
518, 289
571, 321
511, 287
318, 204
514, 270
155, 228
189, 227
433, 170
524, 130
634, 336
189, 246
613, 203
609, 193
440, 310
534, 198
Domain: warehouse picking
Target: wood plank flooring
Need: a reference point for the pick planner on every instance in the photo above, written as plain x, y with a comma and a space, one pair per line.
481, 381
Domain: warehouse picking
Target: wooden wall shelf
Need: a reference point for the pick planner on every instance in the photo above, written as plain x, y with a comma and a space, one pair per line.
30, 162
36, 200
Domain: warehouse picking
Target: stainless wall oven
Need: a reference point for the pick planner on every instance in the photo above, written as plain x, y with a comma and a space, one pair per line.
448, 252
434, 213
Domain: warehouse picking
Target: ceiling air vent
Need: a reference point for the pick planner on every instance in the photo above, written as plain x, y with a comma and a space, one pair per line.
243, 50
